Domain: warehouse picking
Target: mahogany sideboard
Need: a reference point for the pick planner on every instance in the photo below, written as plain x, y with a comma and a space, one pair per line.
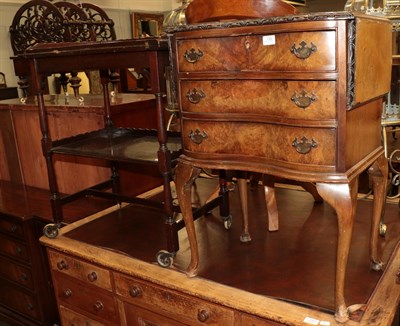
297, 97
26, 296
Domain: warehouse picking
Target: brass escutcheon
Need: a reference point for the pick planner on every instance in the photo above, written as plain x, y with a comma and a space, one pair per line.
197, 136
304, 146
192, 56
303, 52
304, 99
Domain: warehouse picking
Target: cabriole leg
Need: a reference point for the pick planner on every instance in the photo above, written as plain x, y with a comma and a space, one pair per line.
343, 198
185, 176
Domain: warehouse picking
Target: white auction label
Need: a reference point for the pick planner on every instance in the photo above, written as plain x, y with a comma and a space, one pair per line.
311, 321
269, 40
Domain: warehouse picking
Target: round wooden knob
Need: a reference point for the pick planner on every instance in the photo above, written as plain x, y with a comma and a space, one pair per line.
134, 291
67, 293
23, 277
203, 315
98, 306
92, 277
62, 265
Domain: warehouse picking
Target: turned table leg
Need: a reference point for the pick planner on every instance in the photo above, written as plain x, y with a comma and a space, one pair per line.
270, 202
185, 176
242, 186
343, 198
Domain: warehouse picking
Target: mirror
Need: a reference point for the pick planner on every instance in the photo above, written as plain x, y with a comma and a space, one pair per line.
146, 24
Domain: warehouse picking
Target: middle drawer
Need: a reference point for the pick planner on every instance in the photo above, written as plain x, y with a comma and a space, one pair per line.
310, 100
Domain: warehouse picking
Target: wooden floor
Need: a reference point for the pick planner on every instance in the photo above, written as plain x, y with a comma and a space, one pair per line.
295, 263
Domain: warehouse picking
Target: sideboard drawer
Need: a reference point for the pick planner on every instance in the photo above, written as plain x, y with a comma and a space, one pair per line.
182, 307
18, 299
80, 270
96, 302
14, 248
11, 226
288, 99
261, 140
313, 51
16, 273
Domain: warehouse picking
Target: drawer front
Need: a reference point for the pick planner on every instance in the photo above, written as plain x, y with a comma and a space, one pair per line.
188, 310
91, 300
81, 270
16, 273
14, 298
290, 52
71, 318
289, 99
11, 226
294, 145
136, 316
14, 249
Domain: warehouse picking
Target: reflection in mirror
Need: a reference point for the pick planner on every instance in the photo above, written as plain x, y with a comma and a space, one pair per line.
146, 24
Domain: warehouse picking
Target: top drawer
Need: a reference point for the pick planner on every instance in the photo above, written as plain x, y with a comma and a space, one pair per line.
297, 52
80, 270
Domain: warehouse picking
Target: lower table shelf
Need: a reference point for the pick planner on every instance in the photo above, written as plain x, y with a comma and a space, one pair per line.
119, 144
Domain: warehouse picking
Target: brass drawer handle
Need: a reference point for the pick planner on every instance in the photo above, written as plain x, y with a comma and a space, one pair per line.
304, 99
203, 315
192, 56
18, 250
98, 306
92, 276
14, 228
62, 265
195, 96
197, 136
135, 291
304, 146
303, 52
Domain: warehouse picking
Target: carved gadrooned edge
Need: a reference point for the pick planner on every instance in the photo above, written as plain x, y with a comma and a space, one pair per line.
262, 21
351, 63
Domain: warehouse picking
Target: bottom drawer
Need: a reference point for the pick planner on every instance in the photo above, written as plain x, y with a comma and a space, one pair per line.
92, 301
12, 297
71, 318
259, 141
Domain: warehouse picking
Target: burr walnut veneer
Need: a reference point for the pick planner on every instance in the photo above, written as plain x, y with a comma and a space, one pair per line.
296, 97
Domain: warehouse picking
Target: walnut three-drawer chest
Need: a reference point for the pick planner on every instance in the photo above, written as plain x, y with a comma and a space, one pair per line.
296, 97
